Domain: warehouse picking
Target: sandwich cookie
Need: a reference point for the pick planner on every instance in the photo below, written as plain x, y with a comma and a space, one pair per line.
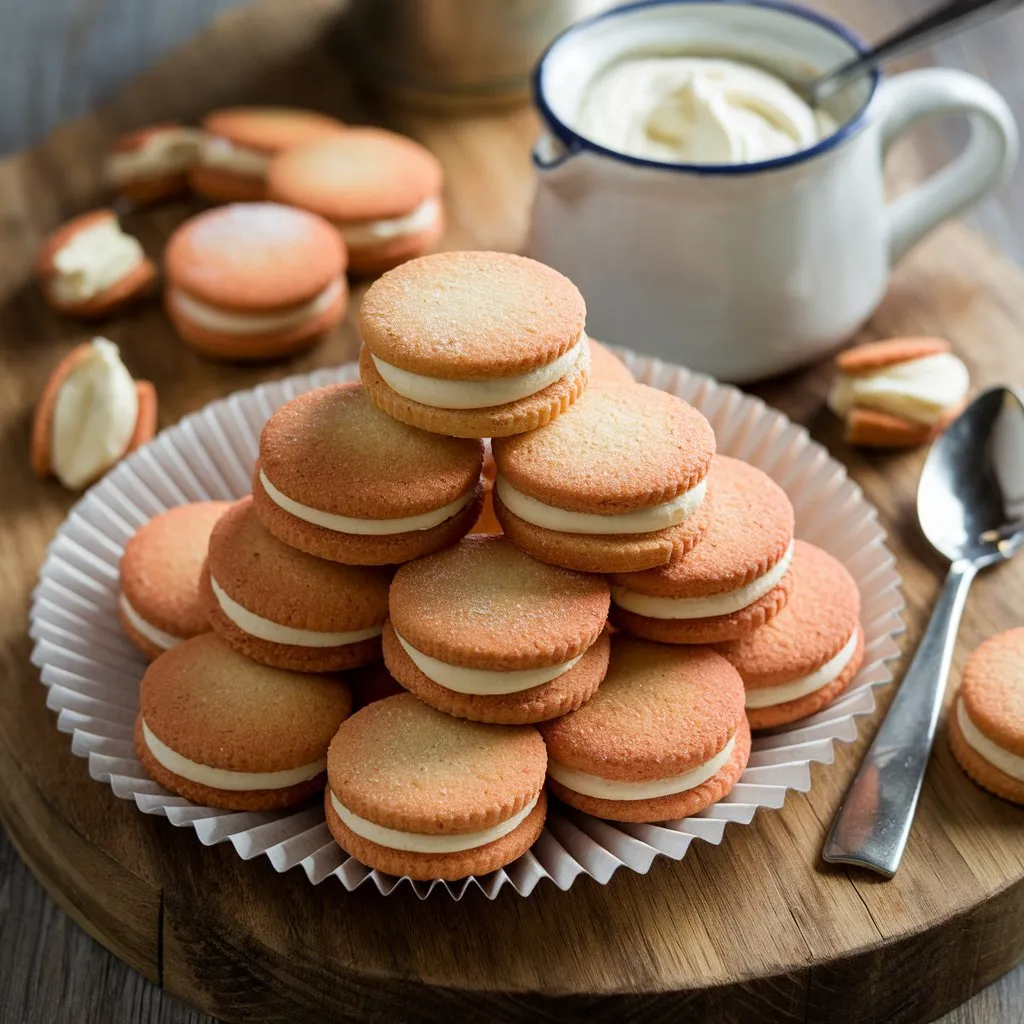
986, 721
809, 653
484, 631
282, 607
159, 602
255, 281
240, 142
381, 190
664, 736
474, 344
152, 163
606, 367
89, 267
340, 479
617, 484
90, 415
738, 577
898, 393
419, 794
224, 732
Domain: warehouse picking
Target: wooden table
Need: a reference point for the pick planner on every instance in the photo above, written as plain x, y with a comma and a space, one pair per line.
37, 943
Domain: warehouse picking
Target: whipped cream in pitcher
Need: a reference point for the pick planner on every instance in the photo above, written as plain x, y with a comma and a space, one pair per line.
698, 110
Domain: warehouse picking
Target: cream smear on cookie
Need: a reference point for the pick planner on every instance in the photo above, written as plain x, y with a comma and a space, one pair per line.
230, 321
484, 682
770, 696
169, 151
999, 757
372, 232
94, 416
157, 637
644, 520
222, 155
421, 842
923, 390
616, 789
481, 394
223, 778
365, 527
705, 607
266, 629
92, 261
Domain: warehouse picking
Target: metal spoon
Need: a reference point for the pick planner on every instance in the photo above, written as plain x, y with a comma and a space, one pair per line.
944, 21
970, 504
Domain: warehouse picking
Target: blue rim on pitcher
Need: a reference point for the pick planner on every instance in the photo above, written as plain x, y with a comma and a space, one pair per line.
575, 143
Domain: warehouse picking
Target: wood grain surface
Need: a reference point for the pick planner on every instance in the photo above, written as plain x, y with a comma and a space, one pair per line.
244, 943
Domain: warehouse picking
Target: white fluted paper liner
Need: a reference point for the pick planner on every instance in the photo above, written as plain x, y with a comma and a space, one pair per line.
92, 672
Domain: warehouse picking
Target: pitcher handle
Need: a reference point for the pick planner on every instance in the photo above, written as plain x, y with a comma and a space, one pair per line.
980, 167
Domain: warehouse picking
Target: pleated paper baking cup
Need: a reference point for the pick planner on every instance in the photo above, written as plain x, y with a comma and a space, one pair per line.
92, 672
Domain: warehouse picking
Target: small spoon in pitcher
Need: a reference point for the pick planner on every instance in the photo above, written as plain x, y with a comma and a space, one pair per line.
944, 21
970, 503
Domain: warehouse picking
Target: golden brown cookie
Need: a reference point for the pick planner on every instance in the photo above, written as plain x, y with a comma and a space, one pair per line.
617, 484
664, 736
152, 163
417, 793
282, 607
225, 732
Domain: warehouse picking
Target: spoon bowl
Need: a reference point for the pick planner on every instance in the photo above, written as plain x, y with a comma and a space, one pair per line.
970, 504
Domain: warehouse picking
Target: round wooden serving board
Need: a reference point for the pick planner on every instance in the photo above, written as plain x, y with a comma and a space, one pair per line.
758, 929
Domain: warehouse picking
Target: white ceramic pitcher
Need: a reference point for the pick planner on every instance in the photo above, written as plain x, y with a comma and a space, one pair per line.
744, 271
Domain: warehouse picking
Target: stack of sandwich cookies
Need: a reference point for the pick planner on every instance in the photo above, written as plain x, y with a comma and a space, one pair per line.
664, 736
735, 580
89, 267
617, 484
340, 479
255, 281
381, 190
159, 602
898, 393
240, 142
280, 606
223, 732
808, 655
90, 415
416, 793
474, 344
484, 631
986, 720
152, 163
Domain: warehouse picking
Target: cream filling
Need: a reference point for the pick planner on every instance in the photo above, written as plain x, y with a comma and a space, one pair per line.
369, 232
480, 394
421, 842
645, 520
485, 682
365, 527
999, 757
224, 321
769, 696
697, 110
705, 607
92, 261
222, 778
167, 152
165, 641
616, 789
221, 155
265, 629
94, 417
922, 390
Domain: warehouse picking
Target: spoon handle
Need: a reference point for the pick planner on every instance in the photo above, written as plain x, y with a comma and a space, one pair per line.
871, 827
950, 17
